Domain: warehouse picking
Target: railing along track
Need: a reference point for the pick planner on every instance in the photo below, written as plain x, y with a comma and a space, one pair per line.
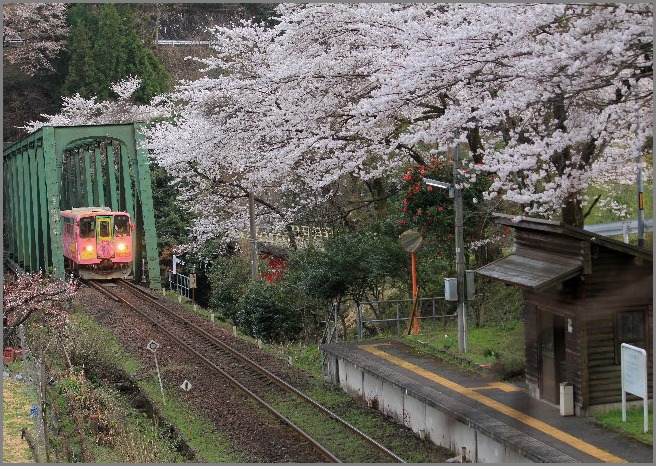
253, 366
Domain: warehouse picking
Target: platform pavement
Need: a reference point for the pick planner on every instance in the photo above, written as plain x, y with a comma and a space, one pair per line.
504, 410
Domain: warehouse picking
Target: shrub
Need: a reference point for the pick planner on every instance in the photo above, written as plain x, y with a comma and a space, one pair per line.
267, 312
229, 278
510, 368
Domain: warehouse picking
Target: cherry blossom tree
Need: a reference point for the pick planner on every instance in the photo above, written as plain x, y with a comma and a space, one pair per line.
33, 35
30, 294
261, 126
548, 98
77, 110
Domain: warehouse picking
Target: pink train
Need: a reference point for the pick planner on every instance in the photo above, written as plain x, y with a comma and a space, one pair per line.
97, 242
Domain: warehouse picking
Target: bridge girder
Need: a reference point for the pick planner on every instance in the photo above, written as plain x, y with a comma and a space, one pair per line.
60, 167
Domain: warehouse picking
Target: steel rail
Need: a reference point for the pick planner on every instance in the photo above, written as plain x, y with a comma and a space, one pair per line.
274, 378
97, 287
323, 451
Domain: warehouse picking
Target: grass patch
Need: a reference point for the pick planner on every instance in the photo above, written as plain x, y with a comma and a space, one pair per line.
202, 437
16, 403
634, 425
498, 346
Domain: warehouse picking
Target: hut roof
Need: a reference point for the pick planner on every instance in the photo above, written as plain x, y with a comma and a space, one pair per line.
535, 269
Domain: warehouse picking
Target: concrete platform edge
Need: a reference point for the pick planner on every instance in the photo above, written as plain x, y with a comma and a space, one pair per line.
509, 437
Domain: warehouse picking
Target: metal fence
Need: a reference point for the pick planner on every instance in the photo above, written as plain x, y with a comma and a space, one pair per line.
378, 316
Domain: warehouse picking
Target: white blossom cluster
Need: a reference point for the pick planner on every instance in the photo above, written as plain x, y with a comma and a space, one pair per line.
33, 34
77, 110
551, 98
559, 94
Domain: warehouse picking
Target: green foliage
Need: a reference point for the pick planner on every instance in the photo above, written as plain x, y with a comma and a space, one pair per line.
228, 278
172, 221
268, 312
431, 211
104, 47
356, 265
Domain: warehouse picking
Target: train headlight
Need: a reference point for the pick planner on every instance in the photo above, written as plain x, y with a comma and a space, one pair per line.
121, 247
89, 248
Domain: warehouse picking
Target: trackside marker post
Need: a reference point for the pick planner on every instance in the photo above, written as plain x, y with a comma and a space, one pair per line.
186, 386
152, 346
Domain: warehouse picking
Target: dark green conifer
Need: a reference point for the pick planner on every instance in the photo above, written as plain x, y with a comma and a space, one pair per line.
105, 48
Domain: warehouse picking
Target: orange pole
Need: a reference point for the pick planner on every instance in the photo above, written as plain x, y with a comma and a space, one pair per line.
414, 320
413, 267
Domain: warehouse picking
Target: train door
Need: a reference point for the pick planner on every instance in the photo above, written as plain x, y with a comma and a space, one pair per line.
104, 236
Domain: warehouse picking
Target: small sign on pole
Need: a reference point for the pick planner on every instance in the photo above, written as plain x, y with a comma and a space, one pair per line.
152, 346
634, 378
186, 386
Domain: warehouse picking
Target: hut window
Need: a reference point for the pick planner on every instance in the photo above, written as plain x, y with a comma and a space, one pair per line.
629, 328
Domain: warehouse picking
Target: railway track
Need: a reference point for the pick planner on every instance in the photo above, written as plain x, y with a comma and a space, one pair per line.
321, 429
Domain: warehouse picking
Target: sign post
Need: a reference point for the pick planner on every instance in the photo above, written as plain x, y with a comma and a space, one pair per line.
186, 386
411, 241
152, 346
634, 378
192, 285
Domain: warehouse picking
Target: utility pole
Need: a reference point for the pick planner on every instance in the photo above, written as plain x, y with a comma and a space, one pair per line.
253, 239
641, 200
460, 251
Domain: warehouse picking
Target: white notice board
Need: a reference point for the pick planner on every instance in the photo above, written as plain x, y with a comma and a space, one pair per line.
634, 377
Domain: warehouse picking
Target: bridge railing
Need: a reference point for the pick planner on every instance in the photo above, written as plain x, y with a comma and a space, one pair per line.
181, 284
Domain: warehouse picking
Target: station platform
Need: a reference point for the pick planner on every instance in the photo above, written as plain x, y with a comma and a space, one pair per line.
455, 407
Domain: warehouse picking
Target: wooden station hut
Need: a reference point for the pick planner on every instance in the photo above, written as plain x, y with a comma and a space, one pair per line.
584, 295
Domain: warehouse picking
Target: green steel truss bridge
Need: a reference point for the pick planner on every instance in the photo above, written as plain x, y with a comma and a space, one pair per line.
61, 167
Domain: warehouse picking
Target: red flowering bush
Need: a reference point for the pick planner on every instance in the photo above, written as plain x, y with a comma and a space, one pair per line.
431, 210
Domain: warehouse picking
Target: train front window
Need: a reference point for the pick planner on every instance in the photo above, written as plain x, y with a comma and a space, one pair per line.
87, 227
105, 231
121, 225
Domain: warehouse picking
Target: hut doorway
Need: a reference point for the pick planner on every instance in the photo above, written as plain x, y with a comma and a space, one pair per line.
552, 355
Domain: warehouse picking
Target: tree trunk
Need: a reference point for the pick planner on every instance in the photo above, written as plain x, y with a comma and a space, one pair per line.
572, 211
379, 193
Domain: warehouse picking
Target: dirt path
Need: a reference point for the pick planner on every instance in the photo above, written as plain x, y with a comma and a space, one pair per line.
16, 415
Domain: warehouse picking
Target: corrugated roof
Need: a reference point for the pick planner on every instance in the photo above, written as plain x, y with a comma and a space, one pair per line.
529, 272
535, 269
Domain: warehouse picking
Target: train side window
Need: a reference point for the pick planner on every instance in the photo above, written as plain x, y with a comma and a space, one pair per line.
87, 228
121, 225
